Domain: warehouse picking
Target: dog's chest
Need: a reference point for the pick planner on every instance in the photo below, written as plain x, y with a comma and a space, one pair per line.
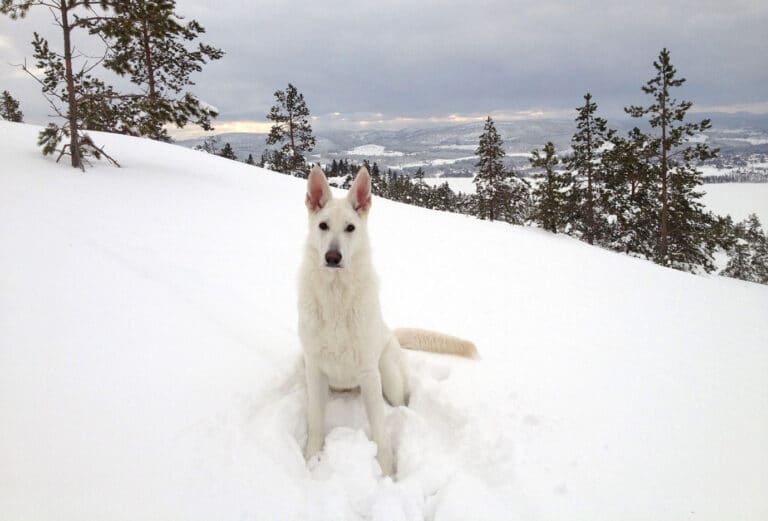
338, 332
340, 349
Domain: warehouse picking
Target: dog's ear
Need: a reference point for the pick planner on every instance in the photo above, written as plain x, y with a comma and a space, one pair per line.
318, 191
360, 192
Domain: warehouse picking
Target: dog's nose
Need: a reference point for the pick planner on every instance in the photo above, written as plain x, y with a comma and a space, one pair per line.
333, 258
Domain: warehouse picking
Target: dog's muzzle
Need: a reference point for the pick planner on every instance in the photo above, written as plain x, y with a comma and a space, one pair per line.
333, 259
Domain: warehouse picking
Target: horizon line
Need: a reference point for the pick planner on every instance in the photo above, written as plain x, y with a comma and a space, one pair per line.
378, 121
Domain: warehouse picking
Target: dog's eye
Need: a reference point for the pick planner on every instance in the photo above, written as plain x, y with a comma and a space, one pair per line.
350, 228
323, 226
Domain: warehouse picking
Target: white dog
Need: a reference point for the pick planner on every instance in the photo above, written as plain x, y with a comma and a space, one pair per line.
345, 340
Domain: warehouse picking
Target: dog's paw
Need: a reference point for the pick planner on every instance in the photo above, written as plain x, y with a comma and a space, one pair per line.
386, 460
314, 445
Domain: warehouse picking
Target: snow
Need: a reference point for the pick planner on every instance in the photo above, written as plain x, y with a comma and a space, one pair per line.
436, 162
471, 147
457, 184
738, 199
711, 170
374, 151
751, 140
698, 138
148, 353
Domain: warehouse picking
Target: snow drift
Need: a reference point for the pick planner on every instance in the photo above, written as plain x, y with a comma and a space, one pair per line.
148, 355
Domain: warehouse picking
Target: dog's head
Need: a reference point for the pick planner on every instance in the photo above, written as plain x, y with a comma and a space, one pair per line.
338, 227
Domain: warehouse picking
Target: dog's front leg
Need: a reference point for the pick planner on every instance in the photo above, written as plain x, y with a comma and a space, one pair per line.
317, 396
370, 388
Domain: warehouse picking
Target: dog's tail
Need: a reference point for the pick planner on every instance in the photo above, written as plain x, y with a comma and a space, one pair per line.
422, 340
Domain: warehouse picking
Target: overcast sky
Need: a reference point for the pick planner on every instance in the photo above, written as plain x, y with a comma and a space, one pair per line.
389, 64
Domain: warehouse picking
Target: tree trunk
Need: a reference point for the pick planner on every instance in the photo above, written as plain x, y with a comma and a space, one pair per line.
551, 209
663, 240
292, 162
491, 182
148, 60
74, 145
590, 203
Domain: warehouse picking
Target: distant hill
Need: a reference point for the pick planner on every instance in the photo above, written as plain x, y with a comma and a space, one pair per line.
449, 149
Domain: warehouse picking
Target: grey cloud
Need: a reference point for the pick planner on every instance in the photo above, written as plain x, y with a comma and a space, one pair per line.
433, 58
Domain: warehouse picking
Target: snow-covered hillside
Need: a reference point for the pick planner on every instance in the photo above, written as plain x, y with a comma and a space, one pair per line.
148, 354
374, 151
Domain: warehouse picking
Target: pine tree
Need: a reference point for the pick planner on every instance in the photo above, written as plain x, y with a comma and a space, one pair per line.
291, 128
748, 257
464, 203
264, 159
759, 244
443, 198
377, 181
210, 145
520, 200
227, 152
500, 194
585, 164
76, 96
683, 240
419, 191
739, 262
491, 174
400, 188
551, 196
393, 186
348, 180
250, 160
628, 197
150, 44
9, 108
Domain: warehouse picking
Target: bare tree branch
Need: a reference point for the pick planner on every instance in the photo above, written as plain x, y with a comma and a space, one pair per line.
110, 158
